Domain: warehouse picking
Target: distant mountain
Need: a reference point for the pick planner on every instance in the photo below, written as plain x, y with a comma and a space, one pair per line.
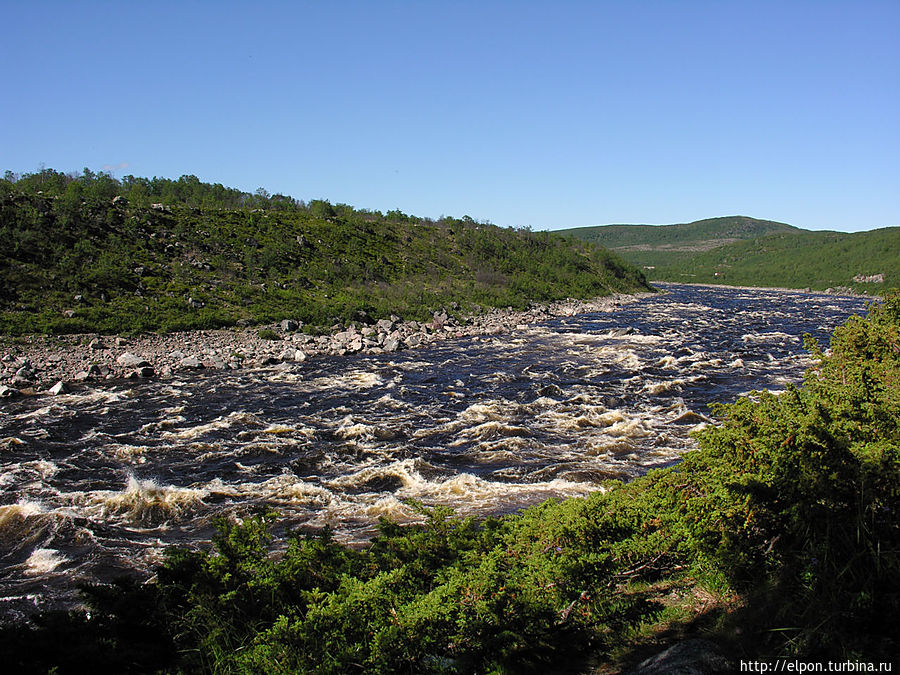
738, 250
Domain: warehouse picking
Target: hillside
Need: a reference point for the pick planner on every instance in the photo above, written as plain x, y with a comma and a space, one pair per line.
92, 254
744, 251
654, 245
802, 259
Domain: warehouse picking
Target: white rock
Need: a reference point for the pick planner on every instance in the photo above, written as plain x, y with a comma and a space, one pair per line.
59, 388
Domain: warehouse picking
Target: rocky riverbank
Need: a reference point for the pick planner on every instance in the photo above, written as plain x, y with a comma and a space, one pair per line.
39, 364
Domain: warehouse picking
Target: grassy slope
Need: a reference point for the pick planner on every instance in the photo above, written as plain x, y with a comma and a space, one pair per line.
137, 268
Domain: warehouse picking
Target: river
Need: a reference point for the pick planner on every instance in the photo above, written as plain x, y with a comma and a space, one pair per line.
93, 484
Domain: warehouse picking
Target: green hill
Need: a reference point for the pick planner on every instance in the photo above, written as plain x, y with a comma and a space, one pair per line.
654, 245
92, 254
738, 250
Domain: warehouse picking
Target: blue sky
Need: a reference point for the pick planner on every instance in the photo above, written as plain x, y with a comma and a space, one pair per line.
540, 114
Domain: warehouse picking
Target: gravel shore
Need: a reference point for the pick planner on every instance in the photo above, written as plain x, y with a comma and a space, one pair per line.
49, 364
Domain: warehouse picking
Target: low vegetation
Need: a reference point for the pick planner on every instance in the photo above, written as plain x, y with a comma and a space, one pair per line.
788, 514
90, 253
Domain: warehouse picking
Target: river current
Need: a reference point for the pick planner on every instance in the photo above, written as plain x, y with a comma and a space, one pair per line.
93, 484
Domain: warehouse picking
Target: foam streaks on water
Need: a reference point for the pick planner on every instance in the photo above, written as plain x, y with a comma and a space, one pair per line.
94, 483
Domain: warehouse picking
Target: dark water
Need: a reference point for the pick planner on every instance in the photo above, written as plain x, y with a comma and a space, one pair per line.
94, 483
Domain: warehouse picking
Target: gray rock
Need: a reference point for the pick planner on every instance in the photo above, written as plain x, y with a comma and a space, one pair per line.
9, 392
345, 337
293, 355
216, 362
391, 344
24, 374
413, 340
288, 326
691, 657
129, 360
192, 362
59, 388
690, 417
82, 376
96, 345
384, 326
177, 355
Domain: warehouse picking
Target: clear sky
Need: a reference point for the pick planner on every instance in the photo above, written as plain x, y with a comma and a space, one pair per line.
542, 114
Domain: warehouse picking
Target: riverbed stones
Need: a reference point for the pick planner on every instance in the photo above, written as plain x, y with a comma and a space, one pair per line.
47, 360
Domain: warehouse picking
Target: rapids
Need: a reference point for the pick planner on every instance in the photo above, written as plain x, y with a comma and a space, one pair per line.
94, 483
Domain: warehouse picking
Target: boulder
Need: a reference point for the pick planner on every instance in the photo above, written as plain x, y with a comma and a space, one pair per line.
192, 362
59, 388
384, 326
391, 344
289, 326
215, 361
690, 657
129, 360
